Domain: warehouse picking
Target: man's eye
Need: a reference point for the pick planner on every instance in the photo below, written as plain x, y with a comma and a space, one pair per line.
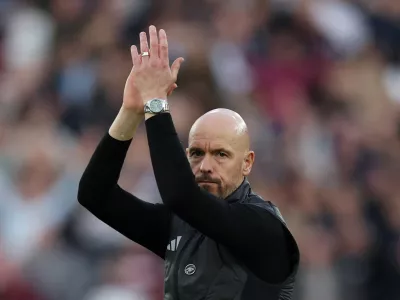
195, 153
222, 154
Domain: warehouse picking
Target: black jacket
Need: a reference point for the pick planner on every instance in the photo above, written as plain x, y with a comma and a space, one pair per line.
214, 249
197, 267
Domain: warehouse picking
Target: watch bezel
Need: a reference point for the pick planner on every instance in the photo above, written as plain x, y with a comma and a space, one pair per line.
156, 102
163, 106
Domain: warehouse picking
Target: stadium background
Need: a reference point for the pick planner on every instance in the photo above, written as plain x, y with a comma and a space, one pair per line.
318, 82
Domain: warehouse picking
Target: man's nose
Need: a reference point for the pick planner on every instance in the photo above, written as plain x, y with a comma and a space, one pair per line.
206, 165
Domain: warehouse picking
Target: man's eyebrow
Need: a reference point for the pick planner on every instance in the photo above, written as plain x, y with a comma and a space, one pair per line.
195, 149
221, 149
216, 149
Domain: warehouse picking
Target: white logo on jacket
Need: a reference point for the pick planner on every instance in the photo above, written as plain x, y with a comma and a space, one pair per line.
190, 269
173, 245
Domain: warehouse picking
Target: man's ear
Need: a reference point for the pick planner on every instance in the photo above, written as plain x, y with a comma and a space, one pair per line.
248, 163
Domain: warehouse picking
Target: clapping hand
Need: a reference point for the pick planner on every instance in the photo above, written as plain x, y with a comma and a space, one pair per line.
151, 76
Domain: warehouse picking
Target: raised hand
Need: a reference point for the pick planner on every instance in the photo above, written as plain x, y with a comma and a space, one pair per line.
151, 76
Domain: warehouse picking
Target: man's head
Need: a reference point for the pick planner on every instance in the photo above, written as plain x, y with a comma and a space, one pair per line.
219, 152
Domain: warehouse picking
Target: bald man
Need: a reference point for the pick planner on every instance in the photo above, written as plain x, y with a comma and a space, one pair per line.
219, 240
225, 131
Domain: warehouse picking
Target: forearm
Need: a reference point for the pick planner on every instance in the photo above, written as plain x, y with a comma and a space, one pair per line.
125, 125
173, 174
104, 167
102, 173
140, 221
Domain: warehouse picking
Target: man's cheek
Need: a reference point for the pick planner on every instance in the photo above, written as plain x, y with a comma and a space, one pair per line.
194, 166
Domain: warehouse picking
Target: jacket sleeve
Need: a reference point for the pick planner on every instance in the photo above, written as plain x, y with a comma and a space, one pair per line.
144, 223
251, 233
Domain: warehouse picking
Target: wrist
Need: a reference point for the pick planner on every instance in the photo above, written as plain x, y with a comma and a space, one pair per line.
155, 106
150, 115
125, 124
131, 113
147, 98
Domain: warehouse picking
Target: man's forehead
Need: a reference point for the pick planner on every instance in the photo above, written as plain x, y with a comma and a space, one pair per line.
213, 140
212, 130
220, 126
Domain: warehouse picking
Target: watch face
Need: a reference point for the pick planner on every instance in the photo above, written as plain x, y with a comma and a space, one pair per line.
156, 105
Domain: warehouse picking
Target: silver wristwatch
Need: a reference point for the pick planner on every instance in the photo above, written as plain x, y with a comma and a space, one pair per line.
156, 106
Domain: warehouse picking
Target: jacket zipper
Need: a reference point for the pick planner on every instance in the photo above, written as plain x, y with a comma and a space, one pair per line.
178, 260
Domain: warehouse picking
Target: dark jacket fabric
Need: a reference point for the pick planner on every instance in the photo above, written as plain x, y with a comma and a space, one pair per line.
197, 267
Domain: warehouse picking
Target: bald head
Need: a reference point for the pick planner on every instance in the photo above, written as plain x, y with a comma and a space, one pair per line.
224, 124
219, 152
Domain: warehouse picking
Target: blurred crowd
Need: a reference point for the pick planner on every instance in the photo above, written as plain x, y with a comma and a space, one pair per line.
317, 81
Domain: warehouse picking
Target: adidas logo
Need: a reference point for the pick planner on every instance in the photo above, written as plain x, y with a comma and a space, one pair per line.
173, 245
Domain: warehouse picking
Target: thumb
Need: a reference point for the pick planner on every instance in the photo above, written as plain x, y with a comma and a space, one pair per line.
176, 65
171, 89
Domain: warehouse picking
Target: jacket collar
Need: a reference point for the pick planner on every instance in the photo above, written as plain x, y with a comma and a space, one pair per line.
240, 193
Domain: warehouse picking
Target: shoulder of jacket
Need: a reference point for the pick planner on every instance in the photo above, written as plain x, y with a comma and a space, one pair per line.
256, 200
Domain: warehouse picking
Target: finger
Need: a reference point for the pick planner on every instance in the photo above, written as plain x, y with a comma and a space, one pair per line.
153, 43
176, 65
164, 48
135, 56
144, 46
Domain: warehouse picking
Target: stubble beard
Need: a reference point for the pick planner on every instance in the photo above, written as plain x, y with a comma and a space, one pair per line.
221, 193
